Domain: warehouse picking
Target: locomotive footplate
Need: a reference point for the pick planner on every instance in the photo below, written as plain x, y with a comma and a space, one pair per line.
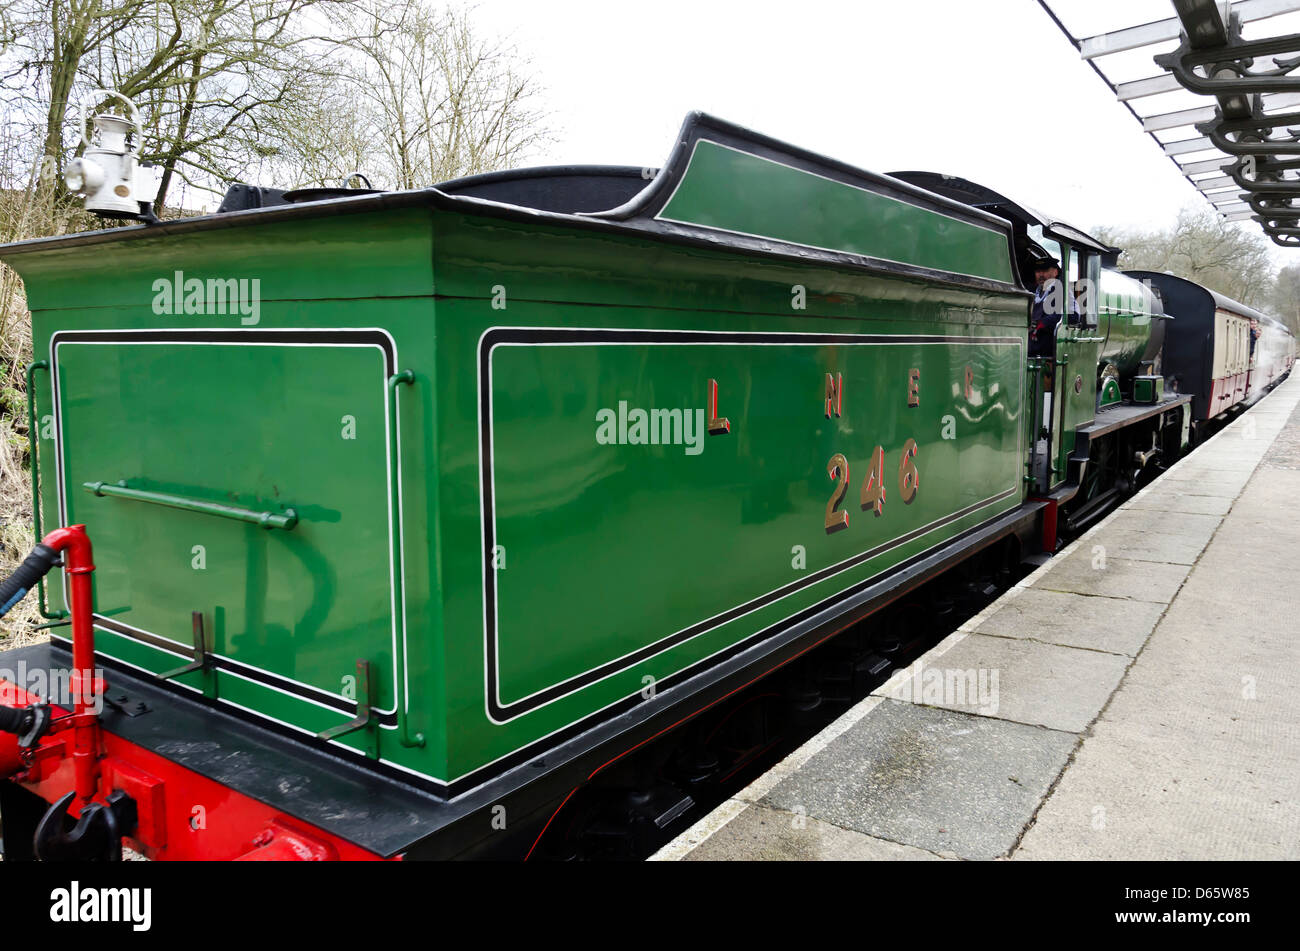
1111, 419
1117, 417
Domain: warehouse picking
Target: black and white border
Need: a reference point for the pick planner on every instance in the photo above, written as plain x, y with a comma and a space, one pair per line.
376, 338
500, 711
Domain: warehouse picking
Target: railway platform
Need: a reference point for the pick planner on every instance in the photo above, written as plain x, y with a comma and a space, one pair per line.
1133, 698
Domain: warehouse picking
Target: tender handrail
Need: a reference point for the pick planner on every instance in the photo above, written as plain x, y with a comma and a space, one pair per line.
285, 520
404, 735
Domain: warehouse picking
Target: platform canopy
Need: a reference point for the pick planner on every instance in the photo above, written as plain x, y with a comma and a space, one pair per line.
1216, 85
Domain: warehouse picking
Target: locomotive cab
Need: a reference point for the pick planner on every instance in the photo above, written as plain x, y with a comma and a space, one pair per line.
1060, 407
1106, 423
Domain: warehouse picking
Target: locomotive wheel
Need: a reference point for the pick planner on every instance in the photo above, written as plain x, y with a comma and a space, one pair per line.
1102, 470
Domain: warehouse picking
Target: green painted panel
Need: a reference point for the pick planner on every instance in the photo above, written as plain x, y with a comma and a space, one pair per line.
1074, 401
252, 420
613, 544
264, 427
735, 191
338, 256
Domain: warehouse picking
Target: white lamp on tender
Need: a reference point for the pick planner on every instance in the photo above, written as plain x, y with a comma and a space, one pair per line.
108, 174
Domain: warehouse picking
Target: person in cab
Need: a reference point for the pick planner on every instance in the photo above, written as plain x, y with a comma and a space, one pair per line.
1051, 302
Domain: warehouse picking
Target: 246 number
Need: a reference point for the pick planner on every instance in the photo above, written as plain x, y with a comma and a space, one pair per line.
872, 495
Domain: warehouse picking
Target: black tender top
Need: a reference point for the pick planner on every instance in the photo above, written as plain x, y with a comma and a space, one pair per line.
985, 198
566, 189
563, 189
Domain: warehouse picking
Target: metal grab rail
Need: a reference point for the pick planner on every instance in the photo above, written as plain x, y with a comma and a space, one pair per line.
404, 736
286, 520
1034, 370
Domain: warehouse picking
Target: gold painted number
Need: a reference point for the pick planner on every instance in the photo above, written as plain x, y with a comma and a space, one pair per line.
909, 480
838, 470
873, 486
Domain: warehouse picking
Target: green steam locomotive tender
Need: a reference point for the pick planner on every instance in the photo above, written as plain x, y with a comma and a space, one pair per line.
437, 502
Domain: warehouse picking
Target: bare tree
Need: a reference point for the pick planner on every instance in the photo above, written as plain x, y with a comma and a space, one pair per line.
1285, 301
1203, 247
440, 100
239, 89
203, 72
264, 91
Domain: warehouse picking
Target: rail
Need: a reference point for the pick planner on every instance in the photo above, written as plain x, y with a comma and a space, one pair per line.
404, 378
285, 520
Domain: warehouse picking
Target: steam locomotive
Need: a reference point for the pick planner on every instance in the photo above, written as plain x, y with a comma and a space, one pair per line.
414, 513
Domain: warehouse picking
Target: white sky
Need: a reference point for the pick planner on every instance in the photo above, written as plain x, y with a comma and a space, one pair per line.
986, 89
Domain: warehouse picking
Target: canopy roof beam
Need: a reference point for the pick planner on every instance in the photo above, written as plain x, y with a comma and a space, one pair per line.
1149, 34
1249, 122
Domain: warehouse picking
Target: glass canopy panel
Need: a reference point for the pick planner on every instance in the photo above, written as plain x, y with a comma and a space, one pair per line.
1121, 41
